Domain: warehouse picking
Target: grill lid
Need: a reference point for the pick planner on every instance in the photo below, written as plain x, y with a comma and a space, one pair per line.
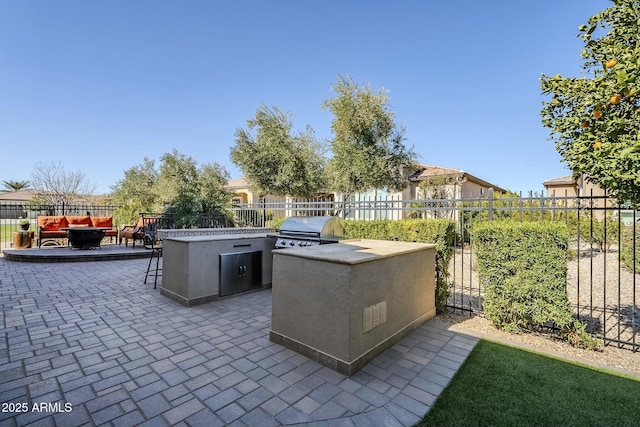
313, 226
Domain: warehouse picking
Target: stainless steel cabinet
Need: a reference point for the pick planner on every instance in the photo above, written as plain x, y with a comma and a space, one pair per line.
240, 271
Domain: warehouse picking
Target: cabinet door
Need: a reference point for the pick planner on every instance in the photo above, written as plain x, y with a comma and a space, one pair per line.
239, 272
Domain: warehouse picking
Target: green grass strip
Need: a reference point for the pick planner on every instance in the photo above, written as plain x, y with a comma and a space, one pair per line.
500, 385
6, 232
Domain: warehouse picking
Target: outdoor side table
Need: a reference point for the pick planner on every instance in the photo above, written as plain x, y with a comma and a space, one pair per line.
22, 239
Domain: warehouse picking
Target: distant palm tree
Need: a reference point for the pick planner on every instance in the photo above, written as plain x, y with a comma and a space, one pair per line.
15, 185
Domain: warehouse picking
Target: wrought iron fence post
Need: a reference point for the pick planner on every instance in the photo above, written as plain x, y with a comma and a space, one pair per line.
490, 204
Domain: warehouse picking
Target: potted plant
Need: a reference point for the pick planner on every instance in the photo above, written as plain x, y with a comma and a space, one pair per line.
24, 223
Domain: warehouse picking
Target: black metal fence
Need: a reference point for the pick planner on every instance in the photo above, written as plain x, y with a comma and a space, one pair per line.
603, 273
13, 213
602, 279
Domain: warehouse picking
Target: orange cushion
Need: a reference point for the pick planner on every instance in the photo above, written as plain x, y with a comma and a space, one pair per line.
84, 220
52, 223
131, 233
102, 221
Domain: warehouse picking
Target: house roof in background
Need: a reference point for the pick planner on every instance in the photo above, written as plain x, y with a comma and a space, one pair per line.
238, 183
18, 196
560, 181
423, 172
429, 171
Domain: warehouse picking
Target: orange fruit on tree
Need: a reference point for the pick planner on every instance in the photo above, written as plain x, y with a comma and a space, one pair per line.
610, 63
584, 124
615, 98
597, 114
597, 145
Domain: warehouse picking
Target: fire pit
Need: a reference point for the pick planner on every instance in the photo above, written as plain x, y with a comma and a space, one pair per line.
85, 237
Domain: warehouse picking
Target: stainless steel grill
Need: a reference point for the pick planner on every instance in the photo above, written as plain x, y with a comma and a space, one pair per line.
303, 231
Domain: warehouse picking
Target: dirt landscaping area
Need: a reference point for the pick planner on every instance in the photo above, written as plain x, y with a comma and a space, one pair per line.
604, 294
611, 357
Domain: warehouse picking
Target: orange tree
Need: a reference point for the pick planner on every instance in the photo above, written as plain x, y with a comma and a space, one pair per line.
595, 119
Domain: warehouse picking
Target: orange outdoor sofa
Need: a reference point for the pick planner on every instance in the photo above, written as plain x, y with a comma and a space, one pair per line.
49, 226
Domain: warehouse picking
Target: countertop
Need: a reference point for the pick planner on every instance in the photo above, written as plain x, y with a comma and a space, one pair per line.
217, 237
355, 251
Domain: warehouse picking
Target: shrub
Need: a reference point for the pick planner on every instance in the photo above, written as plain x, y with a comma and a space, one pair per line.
522, 210
276, 222
627, 247
437, 231
603, 233
522, 268
253, 217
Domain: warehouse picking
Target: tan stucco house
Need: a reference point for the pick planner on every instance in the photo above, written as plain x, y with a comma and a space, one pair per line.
241, 193
569, 186
13, 203
452, 183
455, 184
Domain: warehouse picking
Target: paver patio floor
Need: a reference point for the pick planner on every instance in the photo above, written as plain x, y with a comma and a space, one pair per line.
96, 346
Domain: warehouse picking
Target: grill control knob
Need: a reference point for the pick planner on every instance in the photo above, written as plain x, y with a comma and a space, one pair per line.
291, 243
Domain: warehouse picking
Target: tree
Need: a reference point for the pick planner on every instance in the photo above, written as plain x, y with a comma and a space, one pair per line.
439, 190
56, 186
177, 183
214, 193
136, 192
178, 186
595, 120
368, 147
15, 185
276, 161
443, 186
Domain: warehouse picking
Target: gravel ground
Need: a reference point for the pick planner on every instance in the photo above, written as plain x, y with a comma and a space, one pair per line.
613, 358
606, 296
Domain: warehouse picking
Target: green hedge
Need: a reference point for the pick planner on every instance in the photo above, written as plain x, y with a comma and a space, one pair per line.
602, 233
276, 222
437, 231
627, 247
522, 268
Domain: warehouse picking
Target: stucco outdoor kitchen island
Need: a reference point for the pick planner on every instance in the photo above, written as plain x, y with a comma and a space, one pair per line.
202, 268
343, 304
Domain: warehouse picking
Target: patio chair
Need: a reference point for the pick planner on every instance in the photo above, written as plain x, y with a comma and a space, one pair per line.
133, 232
153, 242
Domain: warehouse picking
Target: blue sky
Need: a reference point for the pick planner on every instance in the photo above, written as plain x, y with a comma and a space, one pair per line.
99, 85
